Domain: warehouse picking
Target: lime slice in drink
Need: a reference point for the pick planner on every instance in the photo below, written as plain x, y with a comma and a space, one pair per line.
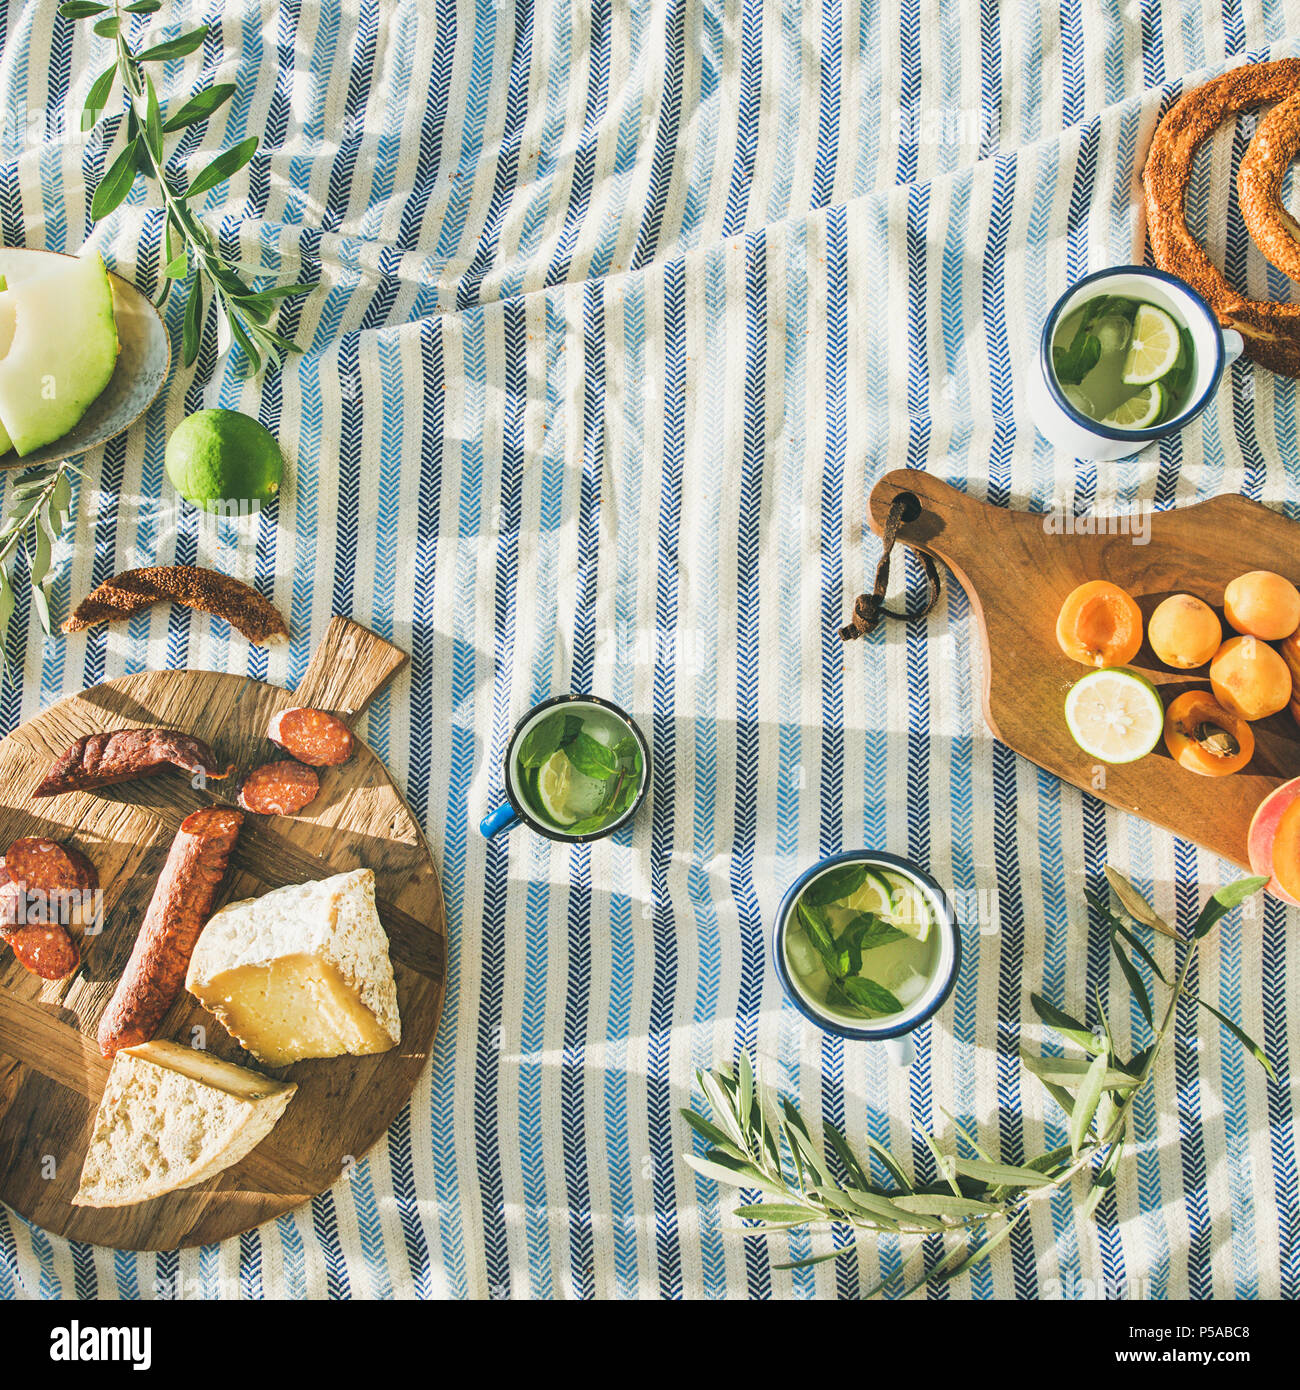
873, 896
1140, 410
554, 779
1154, 348
894, 899
1115, 715
911, 911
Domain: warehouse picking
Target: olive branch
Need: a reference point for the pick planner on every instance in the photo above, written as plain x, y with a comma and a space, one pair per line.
979, 1197
188, 244
40, 502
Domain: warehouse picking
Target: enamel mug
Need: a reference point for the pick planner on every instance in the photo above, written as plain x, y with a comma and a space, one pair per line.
1073, 432
894, 1031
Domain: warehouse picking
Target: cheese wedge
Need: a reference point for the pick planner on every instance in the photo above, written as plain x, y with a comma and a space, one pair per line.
171, 1117
301, 972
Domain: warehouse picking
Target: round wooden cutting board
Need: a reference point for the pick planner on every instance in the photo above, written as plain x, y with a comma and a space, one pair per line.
51, 1073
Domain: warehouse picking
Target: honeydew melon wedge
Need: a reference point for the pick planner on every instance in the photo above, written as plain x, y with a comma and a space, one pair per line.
58, 348
5, 442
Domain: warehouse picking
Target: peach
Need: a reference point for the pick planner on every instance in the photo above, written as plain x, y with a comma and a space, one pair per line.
1262, 604
1286, 852
1250, 678
1264, 832
1099, 625
1185, 632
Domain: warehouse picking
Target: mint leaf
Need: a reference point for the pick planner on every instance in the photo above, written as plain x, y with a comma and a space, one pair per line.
591, 758
837, 884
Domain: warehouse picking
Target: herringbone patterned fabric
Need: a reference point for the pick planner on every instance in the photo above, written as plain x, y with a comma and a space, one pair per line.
625, 307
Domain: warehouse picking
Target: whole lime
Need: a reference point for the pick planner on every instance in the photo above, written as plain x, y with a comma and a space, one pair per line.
224, 461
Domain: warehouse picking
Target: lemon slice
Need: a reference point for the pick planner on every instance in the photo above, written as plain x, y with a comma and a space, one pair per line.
1155, 346
554, 779
1140, 410
1114, 715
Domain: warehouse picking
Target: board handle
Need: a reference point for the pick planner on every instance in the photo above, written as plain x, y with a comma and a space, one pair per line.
939, 507
975, 540
349, 668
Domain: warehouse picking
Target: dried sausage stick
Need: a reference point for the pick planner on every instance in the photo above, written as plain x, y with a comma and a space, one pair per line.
100, 760
180, 908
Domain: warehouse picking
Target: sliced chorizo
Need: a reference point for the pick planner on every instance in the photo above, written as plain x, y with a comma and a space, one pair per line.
279, 789
179, 910
122, 755
47, 951
46, 882
313, 736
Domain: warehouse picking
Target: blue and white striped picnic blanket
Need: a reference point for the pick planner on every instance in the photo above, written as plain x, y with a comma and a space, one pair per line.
626, 305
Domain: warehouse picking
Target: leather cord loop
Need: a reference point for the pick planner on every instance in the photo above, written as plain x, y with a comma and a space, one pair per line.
868, 609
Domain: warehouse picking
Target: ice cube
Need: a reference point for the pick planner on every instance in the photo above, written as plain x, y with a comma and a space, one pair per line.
803, 959
1113, 333
910, 987
1080, 401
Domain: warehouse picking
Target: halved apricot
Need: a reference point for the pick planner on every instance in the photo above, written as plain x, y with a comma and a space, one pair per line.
1262, 604
1099, 625
1185, 631
1249, 678
1205, 738
1286, 851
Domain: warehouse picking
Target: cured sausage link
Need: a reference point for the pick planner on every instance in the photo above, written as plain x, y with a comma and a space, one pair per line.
178, 912
122, 755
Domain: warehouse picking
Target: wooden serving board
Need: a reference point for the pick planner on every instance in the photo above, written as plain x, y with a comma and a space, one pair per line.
1017, 574
51, 1073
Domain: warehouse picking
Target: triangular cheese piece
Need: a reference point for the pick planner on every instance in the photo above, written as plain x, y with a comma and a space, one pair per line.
171, 1117
301, 972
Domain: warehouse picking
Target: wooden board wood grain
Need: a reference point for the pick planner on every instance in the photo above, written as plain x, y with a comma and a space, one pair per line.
1017, 569
51, 1074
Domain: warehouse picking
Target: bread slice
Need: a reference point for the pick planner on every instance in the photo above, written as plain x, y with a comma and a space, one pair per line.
301, 972
172, 1117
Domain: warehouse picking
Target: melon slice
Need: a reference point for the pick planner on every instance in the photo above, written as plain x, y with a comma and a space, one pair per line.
5, 442
58, 348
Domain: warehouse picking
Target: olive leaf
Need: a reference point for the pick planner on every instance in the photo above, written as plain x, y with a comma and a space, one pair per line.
1065, 1025
115, 184
97, 97
1222, 901
226, 164
40, 501
174, 48
199, 107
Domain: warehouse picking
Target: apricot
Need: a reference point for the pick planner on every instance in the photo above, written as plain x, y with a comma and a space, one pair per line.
1099, 625
1290, 650
1250, 678
1205, 738
1262, 604
1185, 632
